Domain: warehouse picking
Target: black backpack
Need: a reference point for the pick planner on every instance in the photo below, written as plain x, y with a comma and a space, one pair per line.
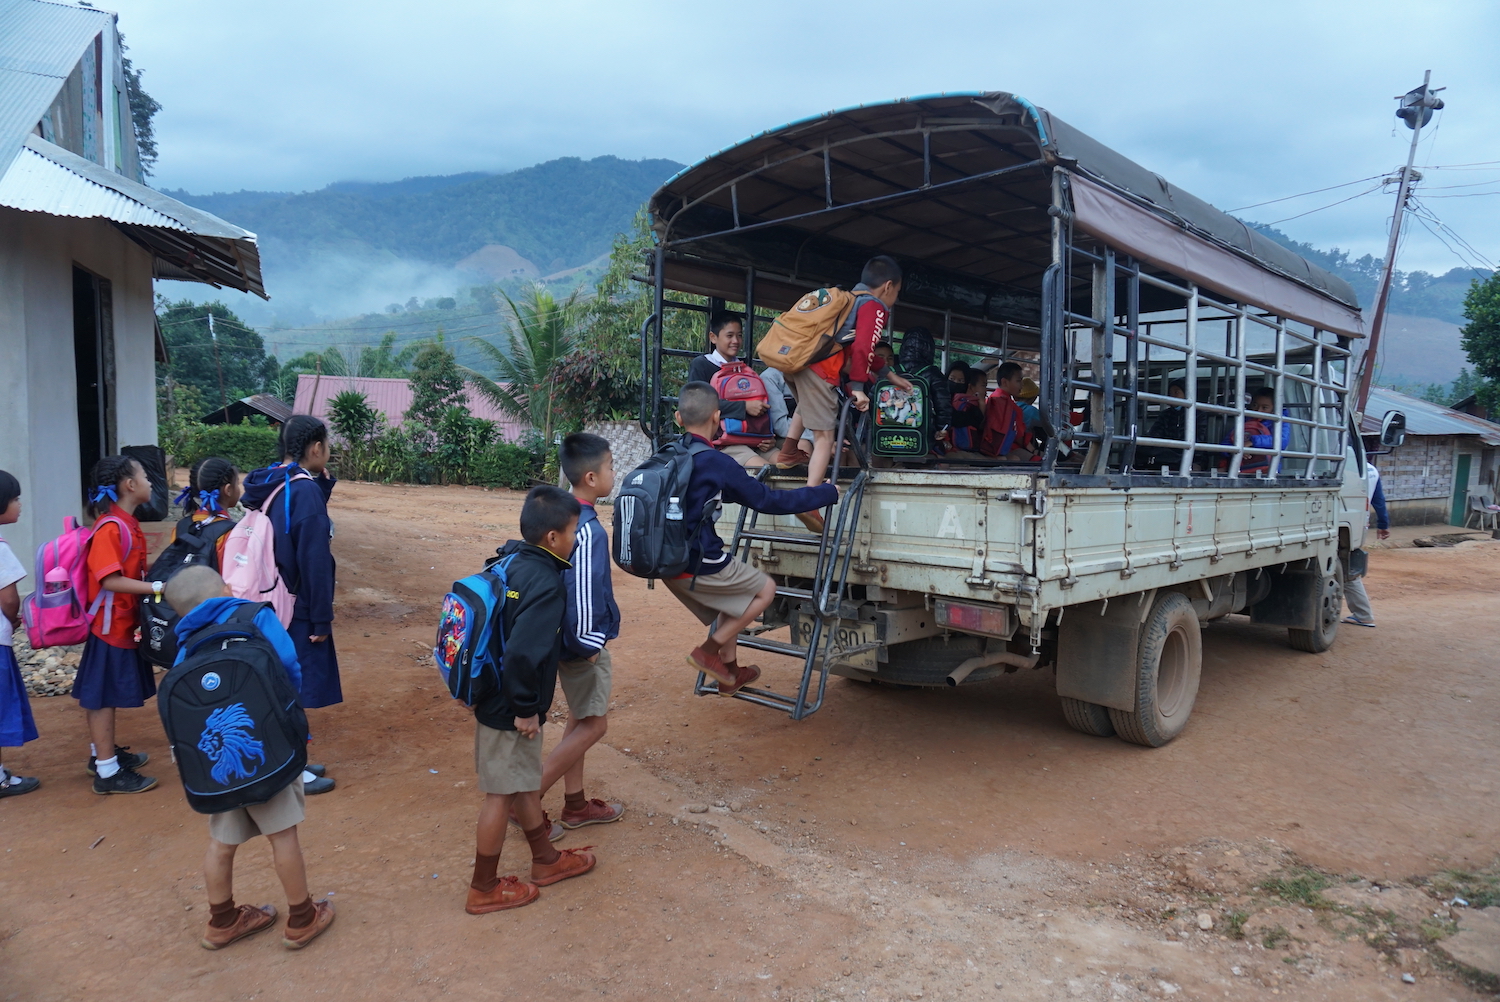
237, 731
652, 538
196, 545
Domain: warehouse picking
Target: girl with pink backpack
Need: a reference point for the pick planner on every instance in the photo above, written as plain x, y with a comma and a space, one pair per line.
291, 498
16, 724
111, 674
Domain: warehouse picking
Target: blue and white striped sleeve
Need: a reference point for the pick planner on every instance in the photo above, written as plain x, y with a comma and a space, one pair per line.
585, 636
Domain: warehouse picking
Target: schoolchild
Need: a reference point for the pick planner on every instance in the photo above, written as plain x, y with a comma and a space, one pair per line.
304, 559
508, 720
726, 338
591, 620
1005, 435
213, 489
854, 365
726, 594
915, 362
111, 674
16, 724
201, 598
968, 407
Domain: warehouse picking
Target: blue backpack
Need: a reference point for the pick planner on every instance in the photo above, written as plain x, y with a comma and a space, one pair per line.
473, 616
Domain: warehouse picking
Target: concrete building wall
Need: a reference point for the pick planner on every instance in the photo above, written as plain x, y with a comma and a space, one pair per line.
39, 416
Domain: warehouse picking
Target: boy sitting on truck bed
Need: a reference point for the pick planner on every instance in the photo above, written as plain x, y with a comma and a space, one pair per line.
726, 335
726, 594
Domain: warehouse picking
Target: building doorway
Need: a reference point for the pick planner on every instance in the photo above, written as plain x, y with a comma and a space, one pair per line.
1460, 489
94, 367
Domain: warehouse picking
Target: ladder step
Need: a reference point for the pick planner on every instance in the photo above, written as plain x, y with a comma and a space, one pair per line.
772, 646
804, 539
803, 593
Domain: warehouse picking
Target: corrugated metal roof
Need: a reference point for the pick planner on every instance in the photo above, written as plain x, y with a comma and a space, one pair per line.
35, 183
392, 398
188, 243
1424, 418
40, 43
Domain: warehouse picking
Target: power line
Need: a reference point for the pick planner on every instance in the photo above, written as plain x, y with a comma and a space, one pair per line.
1367, 191
1315, 191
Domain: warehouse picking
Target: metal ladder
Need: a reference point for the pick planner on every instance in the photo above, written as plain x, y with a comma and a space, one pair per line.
835, 548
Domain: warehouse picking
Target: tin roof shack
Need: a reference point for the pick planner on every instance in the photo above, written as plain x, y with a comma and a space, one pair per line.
1447, 456
81, 241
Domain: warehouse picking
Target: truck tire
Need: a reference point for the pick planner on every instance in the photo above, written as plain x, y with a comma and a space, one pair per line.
1089, 718
1330, 611
1169, 663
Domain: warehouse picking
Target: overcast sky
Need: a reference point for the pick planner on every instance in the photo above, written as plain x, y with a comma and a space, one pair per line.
1236, 102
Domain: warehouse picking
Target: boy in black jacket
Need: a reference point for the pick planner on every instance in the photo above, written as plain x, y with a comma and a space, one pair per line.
726, 594
508, 720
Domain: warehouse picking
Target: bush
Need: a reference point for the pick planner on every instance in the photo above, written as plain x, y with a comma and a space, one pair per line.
505, 464
245, 445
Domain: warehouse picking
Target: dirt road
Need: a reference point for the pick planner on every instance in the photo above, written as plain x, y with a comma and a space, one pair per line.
943, 844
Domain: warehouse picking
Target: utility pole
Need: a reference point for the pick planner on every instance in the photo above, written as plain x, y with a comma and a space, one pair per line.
223, 397
1416, 111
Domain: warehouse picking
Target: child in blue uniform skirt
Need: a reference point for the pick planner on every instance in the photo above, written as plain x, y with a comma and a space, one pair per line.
304, 558
16, 725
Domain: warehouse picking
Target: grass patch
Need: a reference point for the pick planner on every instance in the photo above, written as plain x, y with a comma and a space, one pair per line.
1275, 937
1301, 885
1480, 888
1235, 924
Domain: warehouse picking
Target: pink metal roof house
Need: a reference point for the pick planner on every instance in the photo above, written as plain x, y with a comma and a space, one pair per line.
391, 397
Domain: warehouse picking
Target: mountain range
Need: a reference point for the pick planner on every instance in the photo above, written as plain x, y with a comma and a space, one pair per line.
355, 247
365, 250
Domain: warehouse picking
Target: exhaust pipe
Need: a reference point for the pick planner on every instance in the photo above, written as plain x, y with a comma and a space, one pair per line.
988, 660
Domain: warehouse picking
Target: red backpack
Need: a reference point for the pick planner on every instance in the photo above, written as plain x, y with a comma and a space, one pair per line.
1004, 426
737, 381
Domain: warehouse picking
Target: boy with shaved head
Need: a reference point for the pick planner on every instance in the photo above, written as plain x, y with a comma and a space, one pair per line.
726, 594
202, 599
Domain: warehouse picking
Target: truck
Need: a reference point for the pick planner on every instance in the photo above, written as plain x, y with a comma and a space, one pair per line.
1022, 239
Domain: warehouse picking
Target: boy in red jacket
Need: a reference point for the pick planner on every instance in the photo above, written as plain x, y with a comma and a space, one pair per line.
816, 387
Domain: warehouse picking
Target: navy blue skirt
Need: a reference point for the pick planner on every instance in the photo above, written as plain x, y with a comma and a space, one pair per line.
16, 725
110, 676
320, 667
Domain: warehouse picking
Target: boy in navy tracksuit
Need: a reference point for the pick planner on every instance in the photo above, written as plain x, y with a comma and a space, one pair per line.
202, 599
591, 621
509, 717
726, 594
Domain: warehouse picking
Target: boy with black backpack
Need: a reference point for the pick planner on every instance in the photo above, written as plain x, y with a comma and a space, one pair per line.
725, 594
508, 713
240, 741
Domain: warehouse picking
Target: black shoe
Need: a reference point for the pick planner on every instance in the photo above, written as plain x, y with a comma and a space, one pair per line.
316, 770
127, 759
320, 785
15, 785
124, 781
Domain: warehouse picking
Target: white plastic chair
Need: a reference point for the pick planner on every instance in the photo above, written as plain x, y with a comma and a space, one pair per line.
1482, 509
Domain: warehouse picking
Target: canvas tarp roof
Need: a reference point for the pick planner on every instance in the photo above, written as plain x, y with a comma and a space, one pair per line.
957, 187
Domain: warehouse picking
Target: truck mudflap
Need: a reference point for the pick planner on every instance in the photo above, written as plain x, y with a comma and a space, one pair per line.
1294, 599
1098, 649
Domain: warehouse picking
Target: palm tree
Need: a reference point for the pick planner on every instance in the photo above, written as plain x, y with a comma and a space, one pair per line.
543, 331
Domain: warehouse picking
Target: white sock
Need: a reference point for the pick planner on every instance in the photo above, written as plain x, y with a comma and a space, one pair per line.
4, 776
107, 767
307, 777
93, 752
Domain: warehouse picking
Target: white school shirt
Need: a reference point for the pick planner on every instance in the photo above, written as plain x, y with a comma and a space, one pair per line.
11, 571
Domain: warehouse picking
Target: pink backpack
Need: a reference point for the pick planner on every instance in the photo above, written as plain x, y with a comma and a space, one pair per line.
54, 612
249, 561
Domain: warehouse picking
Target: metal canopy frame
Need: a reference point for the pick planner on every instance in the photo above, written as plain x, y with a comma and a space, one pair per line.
971, 194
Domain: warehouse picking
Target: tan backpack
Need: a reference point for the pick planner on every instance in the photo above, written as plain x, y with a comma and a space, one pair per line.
808, 332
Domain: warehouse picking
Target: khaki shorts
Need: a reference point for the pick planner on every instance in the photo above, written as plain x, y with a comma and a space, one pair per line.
506, 761
744, 455
729, 592
817, 402
586, 685
285, 810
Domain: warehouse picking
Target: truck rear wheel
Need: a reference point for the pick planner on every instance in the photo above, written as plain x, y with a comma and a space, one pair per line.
1169, 663
1330, 610
1089, 718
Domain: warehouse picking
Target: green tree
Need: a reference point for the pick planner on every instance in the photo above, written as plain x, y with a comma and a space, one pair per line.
437, 384
542, 333
1481, 337
200, 355
143, 108
352, 416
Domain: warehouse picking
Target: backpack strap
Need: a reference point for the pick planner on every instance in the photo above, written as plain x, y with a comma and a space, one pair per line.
246, 613
239, 624
125, 538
